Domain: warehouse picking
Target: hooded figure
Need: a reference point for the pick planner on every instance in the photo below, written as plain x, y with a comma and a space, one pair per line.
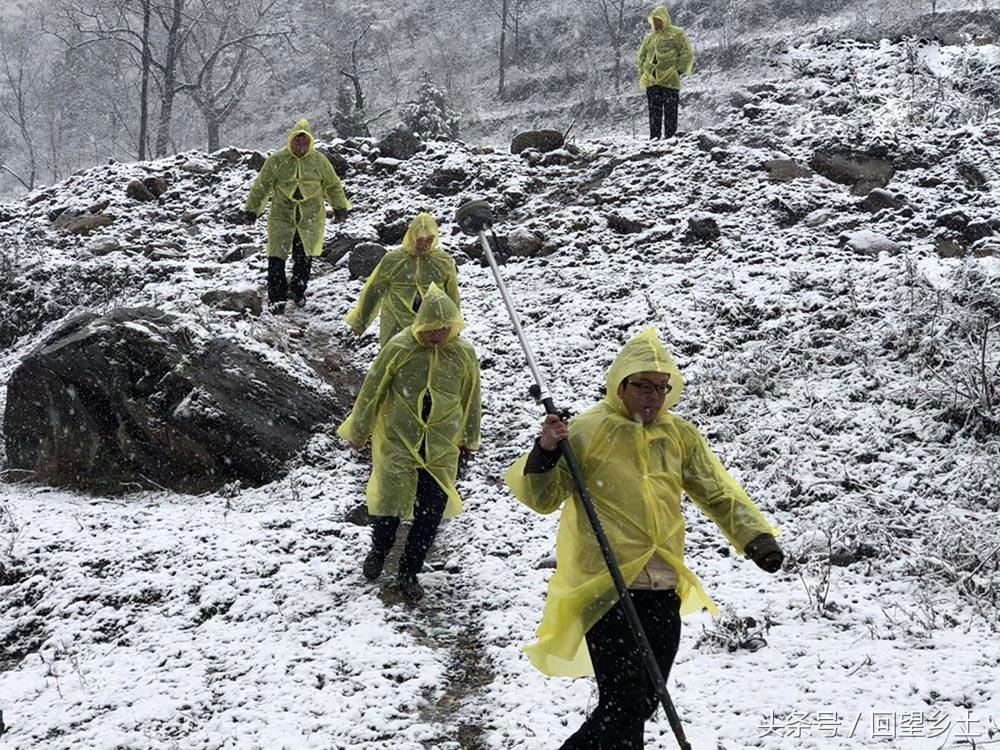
296, 180
420, 404
400, 281
664, 56
637, 459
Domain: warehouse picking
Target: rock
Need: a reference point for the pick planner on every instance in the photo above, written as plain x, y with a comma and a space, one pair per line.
358, 515
819, 217
363, 259
392, 233
256, 161
955, 219
197, 167
340, 164
400, 144
445, 181
880, 199
949, 248
867, 242
540, 140
972, 175
137, 191
98, 207
559, 157
104, 246
385, 164
740, 99
719, 155
786, 170
239, 253
707, 142
622, 224
704, 229
523, 243
156, 185
228, 155
109, 403
234, 300
335, 248
73, 224
859, 170
977, 230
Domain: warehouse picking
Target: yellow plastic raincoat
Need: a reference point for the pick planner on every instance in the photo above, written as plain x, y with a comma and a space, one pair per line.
400, 280
296, 187
664, 56
636, 474
389, 408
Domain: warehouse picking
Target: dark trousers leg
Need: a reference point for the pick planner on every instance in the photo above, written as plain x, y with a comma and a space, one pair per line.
427, 512
670, 102
277, 283
626, 696
384, 532
653, 97
301, 268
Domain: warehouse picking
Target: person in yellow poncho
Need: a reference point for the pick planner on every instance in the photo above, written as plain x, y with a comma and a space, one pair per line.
295, 180
637, 460
420, 404
664, 56
397, 285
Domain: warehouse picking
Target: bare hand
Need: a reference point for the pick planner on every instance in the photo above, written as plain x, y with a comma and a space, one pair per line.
357, 448
554, 431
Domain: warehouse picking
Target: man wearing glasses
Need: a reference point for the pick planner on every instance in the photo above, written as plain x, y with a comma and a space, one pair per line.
637, 459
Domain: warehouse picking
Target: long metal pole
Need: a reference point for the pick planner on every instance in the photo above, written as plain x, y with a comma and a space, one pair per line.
588, 504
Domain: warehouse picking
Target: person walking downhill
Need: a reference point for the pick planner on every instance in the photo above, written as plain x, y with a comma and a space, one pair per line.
664, 56
296, 180
395, 288
420, 404
637, 459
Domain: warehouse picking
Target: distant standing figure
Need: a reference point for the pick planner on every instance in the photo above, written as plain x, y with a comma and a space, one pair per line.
664, 56
295, 180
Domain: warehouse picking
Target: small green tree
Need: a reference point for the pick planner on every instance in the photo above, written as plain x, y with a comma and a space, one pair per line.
429, 114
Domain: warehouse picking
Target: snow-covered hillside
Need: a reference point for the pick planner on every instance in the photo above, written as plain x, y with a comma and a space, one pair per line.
841, 354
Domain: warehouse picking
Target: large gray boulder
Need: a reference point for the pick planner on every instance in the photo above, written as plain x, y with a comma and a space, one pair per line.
862, 172
135, 399
540, 140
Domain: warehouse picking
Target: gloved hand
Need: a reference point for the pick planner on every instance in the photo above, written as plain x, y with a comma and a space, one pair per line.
340, 215
246, 217
764, 551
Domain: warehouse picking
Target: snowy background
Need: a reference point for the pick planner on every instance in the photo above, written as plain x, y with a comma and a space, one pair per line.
841, 358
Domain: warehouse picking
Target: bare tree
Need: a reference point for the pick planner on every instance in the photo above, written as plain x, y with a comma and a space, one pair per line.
127, 23
219, 55
355, 72
613, 14
20, 74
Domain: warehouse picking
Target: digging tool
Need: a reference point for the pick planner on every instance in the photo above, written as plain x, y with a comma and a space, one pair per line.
476, 218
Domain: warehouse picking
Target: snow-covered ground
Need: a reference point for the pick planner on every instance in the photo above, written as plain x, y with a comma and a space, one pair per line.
826, 376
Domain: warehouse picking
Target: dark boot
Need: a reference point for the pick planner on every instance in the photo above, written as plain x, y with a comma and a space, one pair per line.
374, 563
410, 586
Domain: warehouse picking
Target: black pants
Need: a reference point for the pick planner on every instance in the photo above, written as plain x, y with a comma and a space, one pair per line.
427, 511
662, 111
626, 696
277, 283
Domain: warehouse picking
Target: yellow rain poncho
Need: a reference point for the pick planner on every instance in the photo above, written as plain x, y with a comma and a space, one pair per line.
636, 474
390, 409
296, 187
664, 56
400, 281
